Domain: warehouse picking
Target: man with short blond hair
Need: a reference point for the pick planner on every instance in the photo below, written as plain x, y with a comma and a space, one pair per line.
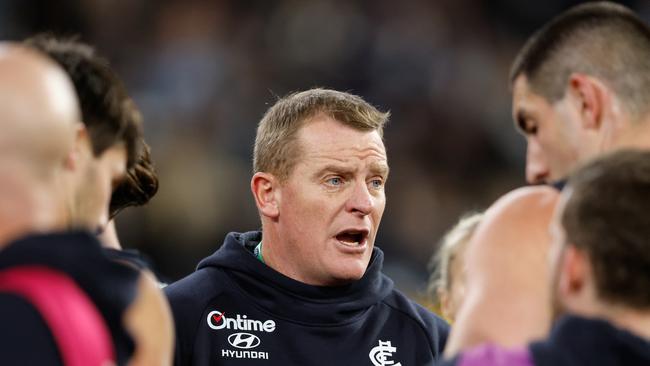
308, 288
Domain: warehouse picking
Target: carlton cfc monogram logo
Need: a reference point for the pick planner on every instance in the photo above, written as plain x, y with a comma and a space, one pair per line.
381, 355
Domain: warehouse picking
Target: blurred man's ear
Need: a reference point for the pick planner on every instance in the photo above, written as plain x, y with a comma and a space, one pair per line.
575, 273
591, 98
81, 147
266, 193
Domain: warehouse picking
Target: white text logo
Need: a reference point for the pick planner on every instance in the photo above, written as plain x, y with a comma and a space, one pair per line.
218, 320
244, 354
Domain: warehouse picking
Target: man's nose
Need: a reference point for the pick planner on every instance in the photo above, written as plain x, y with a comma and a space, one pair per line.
537, 169
361, 200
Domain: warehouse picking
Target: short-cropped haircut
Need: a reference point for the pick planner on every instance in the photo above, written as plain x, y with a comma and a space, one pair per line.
276, 149
606, 216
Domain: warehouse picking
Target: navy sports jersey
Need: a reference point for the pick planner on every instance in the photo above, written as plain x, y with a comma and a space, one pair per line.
111, 286
235, 310
574, 341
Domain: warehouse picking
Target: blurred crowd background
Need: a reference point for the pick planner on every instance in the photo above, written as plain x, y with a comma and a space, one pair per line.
203, 73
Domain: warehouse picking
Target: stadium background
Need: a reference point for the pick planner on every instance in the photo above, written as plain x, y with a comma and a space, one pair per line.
203, 73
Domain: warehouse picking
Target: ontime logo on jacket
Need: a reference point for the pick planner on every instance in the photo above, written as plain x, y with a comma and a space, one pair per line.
242, 341
218, 320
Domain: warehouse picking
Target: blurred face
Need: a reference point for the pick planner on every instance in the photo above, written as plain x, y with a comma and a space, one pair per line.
551, 131
452, 300
98, 176
331, 204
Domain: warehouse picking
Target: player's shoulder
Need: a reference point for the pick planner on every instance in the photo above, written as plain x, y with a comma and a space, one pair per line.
399, 302
524, 202
523, 213
25, 337
432, 325
201, 283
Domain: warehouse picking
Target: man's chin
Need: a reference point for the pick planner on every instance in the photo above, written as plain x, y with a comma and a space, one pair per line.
349, 274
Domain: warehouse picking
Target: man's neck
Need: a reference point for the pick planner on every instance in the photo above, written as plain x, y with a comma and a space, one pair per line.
27, 209
282, 261
271, 254
636, 135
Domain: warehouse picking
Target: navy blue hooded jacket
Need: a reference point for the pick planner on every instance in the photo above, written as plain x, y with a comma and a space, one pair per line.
235, 310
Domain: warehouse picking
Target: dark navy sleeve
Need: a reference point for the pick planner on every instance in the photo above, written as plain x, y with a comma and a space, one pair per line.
25, 338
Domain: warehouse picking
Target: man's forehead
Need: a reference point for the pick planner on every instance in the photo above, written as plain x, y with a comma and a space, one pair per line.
526, 103
524, 94
328, 135
348, 158
520, 93
348, 154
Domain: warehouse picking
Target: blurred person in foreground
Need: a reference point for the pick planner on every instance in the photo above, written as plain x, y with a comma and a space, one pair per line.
118, 171
600, 277
128, 301
581, 87
308, 288
114, 126
39, 121
447, 281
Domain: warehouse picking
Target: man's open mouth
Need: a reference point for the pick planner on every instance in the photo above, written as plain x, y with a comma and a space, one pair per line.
352, 237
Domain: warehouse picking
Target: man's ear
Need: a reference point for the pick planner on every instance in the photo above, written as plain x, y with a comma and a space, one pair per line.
81, 145
575, 272
265, 188
591, 98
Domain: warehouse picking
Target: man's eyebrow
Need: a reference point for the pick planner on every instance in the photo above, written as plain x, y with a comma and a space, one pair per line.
380, 169
376, 168
333, 168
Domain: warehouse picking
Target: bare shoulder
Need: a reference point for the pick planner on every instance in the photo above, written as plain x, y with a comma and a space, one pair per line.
522, 213
507, 298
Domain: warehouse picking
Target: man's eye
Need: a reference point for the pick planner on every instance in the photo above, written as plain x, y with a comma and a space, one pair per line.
530, 128
335, 181
376, 183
